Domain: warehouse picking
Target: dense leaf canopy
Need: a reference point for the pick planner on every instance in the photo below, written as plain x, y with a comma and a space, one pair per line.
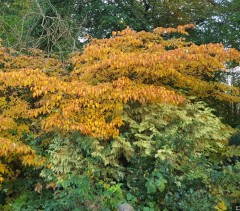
123, 120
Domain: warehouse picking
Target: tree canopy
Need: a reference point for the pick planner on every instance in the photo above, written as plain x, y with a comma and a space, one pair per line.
57, 25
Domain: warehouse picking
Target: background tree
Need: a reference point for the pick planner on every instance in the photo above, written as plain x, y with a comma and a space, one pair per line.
223, 27
57, 25
173, 13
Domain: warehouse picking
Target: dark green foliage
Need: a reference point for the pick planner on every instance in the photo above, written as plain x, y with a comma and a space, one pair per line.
235, 139
55, 26
222, 26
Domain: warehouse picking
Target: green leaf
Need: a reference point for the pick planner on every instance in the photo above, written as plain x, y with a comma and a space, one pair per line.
151, 186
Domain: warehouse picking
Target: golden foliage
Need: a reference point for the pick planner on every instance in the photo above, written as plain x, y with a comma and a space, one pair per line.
149, 58
131, 66
76, 105
11, 60
12, 151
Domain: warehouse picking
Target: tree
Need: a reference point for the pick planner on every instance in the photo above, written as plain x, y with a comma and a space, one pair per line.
113, 92
173, 13
142, 67
223, 27
97, 19
55, 26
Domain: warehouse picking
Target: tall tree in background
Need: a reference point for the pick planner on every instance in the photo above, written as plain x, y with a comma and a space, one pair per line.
100, 18
50, 24
172, 13
223, 26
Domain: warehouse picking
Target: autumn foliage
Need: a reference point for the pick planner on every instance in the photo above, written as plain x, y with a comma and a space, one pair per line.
88, 93
11, 151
